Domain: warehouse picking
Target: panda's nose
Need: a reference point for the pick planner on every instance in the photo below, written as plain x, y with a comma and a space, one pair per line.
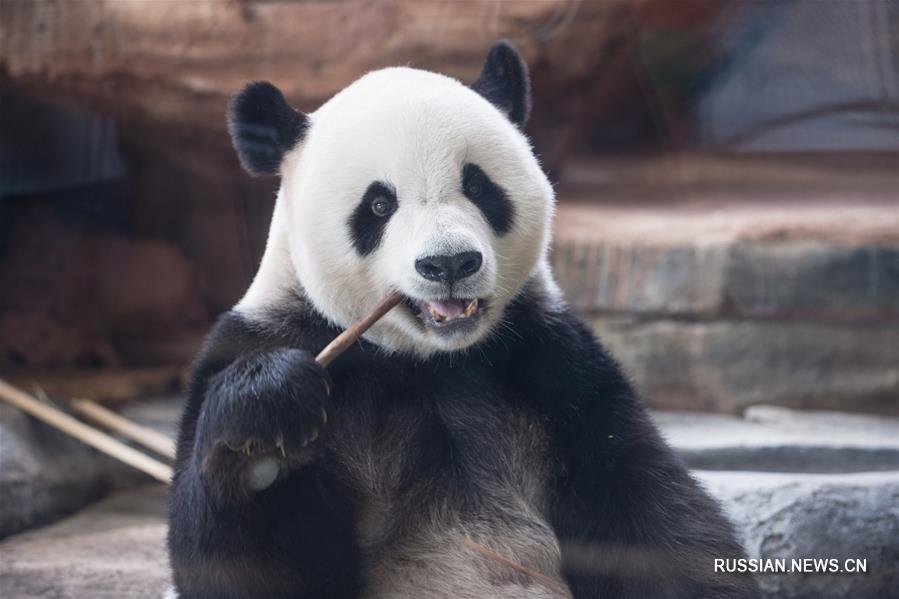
449, 269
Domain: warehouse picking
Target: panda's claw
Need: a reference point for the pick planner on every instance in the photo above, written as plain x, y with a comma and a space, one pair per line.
327, 385
245, 448
324, 416
251, 445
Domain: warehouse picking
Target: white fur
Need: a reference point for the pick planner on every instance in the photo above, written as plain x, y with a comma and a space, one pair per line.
414, 130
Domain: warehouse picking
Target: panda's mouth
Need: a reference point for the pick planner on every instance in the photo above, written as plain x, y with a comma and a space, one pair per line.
447, 313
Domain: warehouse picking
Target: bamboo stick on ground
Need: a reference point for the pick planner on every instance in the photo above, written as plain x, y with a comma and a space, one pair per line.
84, 433
140, 434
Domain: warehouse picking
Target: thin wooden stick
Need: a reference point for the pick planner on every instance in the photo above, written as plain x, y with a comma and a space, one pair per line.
84, 433
356, 330
138, 433
547, 581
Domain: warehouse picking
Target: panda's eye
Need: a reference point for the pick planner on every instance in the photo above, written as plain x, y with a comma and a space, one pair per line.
474, 188
382, 206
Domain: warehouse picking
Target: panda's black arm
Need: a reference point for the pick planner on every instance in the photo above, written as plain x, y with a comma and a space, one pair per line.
630, 519
292, 539
235, 348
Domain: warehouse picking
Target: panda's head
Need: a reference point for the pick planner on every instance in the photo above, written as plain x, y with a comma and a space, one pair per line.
405, 180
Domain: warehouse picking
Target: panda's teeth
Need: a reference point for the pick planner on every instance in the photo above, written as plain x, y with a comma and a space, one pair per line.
445, 311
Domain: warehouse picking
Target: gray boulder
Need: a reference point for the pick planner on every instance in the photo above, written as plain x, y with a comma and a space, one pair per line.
803, 484
45, 474
789, 515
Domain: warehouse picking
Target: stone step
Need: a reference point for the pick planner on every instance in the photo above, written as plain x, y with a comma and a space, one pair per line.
726, 365
788, 260
776, 439
722, 283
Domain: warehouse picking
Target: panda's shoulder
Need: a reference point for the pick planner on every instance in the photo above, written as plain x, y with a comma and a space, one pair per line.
554, 353
290, 323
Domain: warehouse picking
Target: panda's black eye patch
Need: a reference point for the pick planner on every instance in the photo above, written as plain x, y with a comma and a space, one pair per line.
489, 197
370, 217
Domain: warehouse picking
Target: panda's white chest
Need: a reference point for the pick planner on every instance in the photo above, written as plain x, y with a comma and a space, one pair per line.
427, 531
508, 561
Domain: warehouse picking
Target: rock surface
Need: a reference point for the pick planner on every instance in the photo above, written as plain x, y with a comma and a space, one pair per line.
178, 62
45, 474
789, 515
723, 300
726, 365
723, 252
112, 550
80, 295
116, 548
833, 492
776, 439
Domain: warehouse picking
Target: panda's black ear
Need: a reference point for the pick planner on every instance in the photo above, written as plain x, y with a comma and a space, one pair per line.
504, 81
263, 127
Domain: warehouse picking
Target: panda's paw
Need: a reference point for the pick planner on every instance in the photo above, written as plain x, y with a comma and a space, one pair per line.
262, 417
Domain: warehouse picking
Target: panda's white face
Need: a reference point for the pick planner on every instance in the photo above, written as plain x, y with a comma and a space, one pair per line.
408, 180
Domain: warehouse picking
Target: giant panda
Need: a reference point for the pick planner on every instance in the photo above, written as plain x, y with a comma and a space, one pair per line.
478, 442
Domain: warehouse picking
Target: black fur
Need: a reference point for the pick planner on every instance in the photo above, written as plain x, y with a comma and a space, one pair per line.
504, 82
489, 197
630, 519
263, 127
255, 401
366, 227
293, 539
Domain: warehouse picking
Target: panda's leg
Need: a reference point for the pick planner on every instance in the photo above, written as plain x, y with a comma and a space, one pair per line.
286, 542
632, 523
254, 510
630, 519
